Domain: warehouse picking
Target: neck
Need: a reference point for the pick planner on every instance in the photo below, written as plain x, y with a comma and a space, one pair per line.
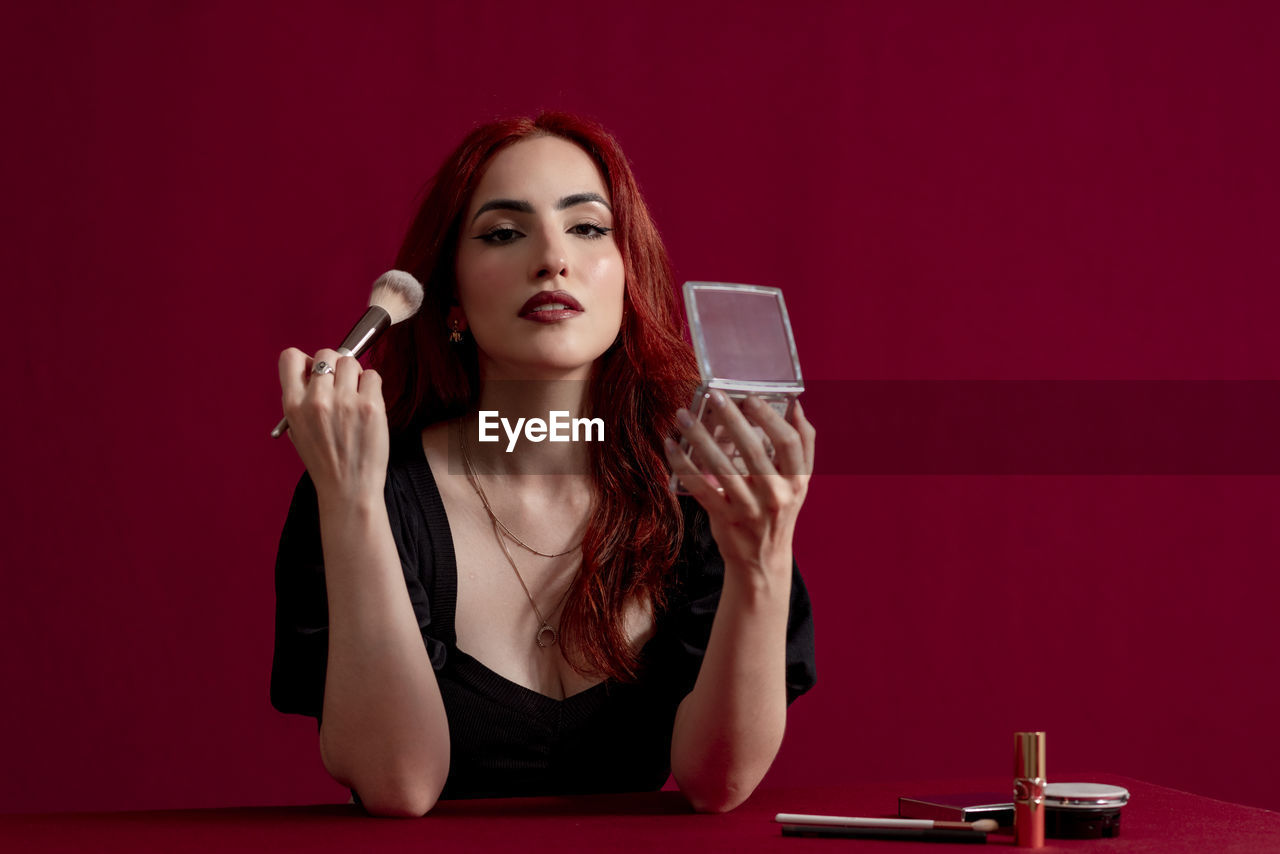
528, 419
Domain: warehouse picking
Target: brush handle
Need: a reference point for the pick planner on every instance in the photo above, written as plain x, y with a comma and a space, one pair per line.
982, 825
375, 321
365, 332
913, 834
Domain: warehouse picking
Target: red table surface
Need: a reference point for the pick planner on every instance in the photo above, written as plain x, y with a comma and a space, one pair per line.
1157, 819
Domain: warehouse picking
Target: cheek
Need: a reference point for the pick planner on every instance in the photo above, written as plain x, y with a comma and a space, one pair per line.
609, 278
478, 273
480, 280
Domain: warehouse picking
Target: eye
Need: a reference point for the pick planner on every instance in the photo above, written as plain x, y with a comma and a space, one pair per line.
590, 230
499, 235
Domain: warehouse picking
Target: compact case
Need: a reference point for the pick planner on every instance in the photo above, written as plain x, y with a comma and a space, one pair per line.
1083, 810
744, 346
967, 806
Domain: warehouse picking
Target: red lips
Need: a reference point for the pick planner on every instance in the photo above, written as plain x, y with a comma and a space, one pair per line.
533, 307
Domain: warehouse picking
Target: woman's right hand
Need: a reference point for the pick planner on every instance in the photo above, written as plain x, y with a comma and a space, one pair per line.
337, 422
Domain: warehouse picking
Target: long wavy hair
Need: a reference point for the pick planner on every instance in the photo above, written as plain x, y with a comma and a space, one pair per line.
635, 526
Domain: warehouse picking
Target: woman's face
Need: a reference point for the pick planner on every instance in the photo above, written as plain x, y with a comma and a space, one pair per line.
540, 277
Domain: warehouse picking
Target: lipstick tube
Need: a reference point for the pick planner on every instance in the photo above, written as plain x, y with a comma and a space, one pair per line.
1028, 789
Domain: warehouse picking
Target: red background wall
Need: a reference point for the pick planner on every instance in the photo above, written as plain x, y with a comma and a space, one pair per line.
1004, 190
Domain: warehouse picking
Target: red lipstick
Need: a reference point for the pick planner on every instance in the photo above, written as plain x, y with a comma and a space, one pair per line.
550, 307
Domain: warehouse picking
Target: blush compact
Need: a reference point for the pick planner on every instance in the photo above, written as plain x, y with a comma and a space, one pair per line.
1083, 810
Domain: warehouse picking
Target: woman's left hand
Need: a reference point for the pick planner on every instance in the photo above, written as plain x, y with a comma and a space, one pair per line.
752, 515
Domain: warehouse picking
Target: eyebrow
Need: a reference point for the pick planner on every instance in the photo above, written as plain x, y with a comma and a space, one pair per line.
582, 199
521, 206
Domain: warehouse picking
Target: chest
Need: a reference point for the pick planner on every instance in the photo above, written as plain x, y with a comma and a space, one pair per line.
506, 595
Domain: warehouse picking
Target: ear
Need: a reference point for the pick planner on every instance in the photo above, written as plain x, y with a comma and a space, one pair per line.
456, 321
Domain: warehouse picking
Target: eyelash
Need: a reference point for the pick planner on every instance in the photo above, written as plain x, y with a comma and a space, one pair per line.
593, 231
505, 234
498, 236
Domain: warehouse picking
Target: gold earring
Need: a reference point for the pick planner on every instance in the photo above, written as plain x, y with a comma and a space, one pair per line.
455, 337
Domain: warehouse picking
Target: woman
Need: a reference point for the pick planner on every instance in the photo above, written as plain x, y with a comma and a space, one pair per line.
465, 621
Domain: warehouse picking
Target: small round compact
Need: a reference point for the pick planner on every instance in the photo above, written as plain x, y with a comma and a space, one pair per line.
1082, 810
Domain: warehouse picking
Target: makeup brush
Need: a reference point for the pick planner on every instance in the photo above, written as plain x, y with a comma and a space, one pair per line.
982, 825
396, 296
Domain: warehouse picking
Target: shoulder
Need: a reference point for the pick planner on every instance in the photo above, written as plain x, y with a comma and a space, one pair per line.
411, 491
699, 568
696, 540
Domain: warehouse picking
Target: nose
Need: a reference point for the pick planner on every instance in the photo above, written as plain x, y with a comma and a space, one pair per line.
552, 259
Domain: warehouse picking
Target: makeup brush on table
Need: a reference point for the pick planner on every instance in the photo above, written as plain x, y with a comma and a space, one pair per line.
396, 296
851, 827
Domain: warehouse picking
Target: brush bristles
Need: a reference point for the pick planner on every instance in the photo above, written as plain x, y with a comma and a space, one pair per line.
398, 293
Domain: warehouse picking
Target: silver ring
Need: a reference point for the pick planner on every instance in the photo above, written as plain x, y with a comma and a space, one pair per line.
322, 367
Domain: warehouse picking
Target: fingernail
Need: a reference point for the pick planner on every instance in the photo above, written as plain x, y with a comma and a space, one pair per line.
718, 398
682, 415
670, 445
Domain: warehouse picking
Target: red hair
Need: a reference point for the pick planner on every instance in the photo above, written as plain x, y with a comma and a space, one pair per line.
635, 528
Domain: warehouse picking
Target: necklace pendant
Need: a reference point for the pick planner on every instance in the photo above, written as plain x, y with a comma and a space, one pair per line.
547, 636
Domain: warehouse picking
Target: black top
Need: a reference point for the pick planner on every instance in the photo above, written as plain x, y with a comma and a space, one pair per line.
507, 739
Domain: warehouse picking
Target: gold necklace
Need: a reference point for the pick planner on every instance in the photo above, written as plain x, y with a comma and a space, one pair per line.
546, 635
475, 483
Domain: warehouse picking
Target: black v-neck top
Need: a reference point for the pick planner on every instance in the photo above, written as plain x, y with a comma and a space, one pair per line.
506, 739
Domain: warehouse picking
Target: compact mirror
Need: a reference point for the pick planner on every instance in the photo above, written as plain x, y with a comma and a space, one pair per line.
743, 343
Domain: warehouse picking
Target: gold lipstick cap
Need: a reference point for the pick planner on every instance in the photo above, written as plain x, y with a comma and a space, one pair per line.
1028, 755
